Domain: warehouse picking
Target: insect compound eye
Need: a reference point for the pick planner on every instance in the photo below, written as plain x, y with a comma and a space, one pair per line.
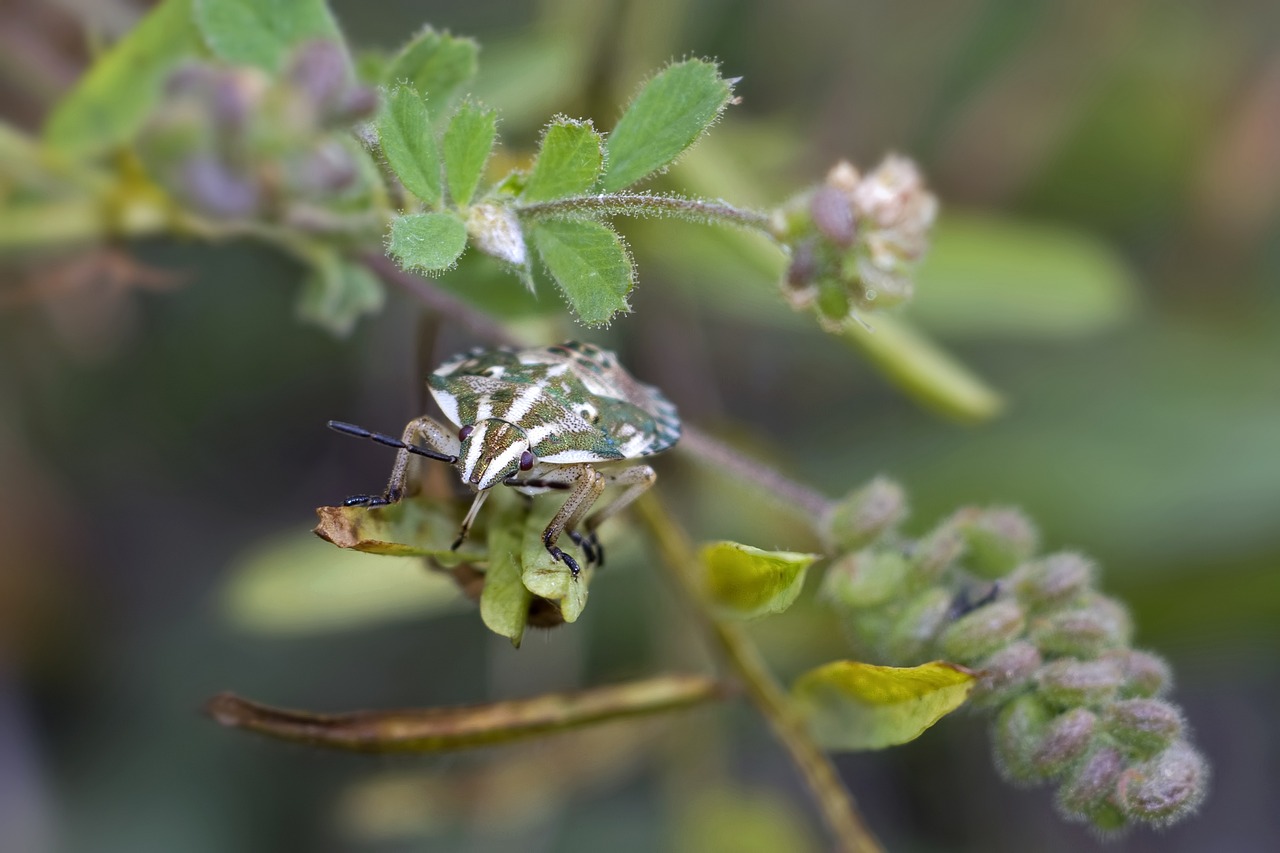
465, 431
526, 460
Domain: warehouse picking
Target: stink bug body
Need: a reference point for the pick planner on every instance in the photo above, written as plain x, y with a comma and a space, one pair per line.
566, 417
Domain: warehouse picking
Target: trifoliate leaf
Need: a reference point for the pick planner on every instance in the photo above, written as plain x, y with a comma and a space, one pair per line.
468, 140
568, 163
666, 118
436, 64
427, 242
111, 102
589, 263
404, 131
852, 705
747, 582
262, 32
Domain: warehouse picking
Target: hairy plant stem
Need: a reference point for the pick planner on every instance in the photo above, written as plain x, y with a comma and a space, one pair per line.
743, 658
809, 504
644, 204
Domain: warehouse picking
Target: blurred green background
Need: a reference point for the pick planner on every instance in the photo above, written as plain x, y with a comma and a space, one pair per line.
1107, 258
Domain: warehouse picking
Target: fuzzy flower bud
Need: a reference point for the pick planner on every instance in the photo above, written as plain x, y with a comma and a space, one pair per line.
998, 539
1086, 793
1070, 683
1052, 580
1064, 740
1146, 726
865, 515
1164, 789
1006, 672
1144, 674
1016, 737
933, 555
865, 578
977, 634
1097, 623
496, 231
916, 628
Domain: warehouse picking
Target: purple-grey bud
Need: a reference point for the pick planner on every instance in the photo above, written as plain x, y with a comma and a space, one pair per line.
1052, 580
801, 275
1164, 789
979, 633
496, 231
321, 72
1064, 740
865, 579
833, 215
1071, 683
1006, 673
1144, 674
999, 538
1145, 726
863, 516
1088, 628
1016, 736
214, 188
933, 555
913, 631
1087, 793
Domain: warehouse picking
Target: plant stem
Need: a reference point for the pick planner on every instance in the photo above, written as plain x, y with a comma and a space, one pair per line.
742, 656
645, 204
809, 503
440, 729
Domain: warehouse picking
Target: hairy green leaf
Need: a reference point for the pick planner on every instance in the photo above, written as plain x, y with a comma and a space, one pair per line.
262, 32
747, 582
296, 584
337, 292
504, 603
408, 143
852, 705
589, 263
987, 276
410, 528
468, 141
110, 103
666, 118
549, 578
427, 242
436, 64
569, 161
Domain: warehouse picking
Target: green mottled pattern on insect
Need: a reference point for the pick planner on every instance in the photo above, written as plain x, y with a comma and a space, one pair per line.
574, 401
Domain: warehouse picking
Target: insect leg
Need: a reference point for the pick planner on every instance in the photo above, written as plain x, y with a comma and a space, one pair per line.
635, 481
441, 445
588, 483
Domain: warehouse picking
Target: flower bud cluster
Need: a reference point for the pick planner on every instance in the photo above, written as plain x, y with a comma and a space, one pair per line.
232, 142
1074, 704
855, 240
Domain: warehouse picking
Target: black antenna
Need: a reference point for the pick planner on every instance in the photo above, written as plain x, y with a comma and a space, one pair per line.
389, 441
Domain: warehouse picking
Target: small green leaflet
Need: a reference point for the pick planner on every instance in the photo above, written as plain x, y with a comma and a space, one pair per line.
504, 602
468, 141
851, 705
110, 103
666, 118
427, 242
746, 582
569, 161
337, 292
263, 32
405, 529
589, 263
408, 144
436, 64
547, 577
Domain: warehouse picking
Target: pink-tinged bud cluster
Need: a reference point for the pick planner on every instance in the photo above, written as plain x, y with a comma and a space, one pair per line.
856, 239
1074, 705
232, 142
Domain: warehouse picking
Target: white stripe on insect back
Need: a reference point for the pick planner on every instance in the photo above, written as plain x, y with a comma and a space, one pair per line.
523, 402
473, 452
448, 405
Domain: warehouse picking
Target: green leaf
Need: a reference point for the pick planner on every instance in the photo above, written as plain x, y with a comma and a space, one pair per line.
747, 582
923, 370
589, 263
666, 118
504, 602
262, 32
436, 64
337, 293
427, 242
408, 143
410, 528
297, 584
569, 161
110, 103
852, 705
988, 276
549, 578
468, 142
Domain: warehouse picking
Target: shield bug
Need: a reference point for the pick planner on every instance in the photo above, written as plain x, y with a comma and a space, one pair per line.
567, 417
